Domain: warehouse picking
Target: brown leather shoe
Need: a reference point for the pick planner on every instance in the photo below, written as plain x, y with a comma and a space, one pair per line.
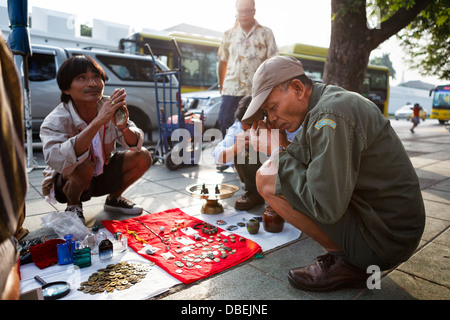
248, 201
328, 273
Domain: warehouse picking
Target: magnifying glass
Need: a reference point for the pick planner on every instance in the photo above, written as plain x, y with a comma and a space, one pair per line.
53, 290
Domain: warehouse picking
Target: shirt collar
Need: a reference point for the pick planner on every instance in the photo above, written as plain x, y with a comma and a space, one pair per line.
316, 93
77, 121
255, 25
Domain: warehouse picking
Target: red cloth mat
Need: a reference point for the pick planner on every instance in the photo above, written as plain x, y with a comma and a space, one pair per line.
169, 219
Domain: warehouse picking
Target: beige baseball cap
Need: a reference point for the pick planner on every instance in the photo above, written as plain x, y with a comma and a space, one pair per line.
269, 74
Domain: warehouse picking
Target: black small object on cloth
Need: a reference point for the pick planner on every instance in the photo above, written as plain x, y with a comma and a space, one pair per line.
206, 228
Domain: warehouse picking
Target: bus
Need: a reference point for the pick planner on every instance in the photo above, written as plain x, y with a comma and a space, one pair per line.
440, 108
376, 81
198, 55
199, 62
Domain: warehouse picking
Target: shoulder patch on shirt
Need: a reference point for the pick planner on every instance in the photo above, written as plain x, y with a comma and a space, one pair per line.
325, 122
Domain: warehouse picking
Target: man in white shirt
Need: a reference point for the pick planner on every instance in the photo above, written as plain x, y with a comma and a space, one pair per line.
233, 150
79, 139
244, 47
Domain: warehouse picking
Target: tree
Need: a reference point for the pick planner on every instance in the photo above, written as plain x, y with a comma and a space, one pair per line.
384, 60
352, 41
427, 40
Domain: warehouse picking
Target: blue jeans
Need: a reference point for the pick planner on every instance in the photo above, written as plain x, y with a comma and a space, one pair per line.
226, 112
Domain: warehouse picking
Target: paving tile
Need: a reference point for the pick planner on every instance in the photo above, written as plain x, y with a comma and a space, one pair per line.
431, 263
439, 210
433, 227
398, 285
436, 195
242, 283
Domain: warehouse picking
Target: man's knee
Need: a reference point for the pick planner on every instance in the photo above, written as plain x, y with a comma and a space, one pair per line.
80, 179
141, 160
12, 286
265, 183
146, 158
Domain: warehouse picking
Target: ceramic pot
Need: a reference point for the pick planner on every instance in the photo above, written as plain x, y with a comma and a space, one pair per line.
253, 226
272, 221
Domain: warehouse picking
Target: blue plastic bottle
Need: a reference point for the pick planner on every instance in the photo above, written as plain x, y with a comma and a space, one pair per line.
65, 250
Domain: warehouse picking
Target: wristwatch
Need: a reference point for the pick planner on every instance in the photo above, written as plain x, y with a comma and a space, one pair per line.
280, 149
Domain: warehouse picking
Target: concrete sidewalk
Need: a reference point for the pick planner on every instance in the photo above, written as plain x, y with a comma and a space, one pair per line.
425, 276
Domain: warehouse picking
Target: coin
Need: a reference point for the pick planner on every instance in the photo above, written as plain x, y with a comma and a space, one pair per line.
120, 276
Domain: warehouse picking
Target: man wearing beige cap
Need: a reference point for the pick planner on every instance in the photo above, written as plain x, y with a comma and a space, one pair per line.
345, 180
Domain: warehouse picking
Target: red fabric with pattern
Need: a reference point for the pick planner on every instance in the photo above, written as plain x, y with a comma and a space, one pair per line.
168, 219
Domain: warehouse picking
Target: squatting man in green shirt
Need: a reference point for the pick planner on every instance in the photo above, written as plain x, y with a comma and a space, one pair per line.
345, 180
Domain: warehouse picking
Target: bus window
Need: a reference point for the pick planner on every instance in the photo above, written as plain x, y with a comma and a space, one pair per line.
199, 56
199, 65
441, 99
313, 69
441, 104
375, 88
378, 79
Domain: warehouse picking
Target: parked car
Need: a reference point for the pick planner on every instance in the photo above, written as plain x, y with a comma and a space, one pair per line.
406, 112
132, 72
208, 101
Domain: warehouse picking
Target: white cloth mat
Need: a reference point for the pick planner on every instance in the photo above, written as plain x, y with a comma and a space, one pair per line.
157, 280
266, 240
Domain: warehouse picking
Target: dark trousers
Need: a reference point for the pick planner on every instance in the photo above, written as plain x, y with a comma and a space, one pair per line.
226, 112
247, 171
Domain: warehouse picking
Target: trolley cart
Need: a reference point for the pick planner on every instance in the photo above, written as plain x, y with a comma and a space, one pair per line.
180, 134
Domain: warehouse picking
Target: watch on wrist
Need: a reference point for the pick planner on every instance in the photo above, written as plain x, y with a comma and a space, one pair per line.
278, 150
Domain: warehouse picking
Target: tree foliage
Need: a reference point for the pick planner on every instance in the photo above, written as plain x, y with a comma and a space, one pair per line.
427, 40
352, 39
384, 60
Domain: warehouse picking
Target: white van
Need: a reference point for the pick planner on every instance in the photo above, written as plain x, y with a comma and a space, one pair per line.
132, 72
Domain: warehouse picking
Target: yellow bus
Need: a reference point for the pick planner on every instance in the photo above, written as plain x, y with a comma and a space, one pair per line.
440, 108
198, 61
376, 81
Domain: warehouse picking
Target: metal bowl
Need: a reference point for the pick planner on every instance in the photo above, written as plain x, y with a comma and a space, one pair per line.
212, 193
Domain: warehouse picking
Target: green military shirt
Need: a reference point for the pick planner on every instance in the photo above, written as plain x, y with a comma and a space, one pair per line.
347, 158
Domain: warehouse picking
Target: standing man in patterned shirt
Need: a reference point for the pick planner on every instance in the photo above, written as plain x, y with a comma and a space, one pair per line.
244, 47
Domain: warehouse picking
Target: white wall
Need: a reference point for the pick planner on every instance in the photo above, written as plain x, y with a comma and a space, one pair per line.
399, 96
49, 27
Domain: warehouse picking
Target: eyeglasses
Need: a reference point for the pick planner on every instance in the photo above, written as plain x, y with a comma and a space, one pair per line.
246, 12
85, 78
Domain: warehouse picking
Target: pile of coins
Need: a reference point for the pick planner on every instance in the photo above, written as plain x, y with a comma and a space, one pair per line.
211, 252
120, 276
